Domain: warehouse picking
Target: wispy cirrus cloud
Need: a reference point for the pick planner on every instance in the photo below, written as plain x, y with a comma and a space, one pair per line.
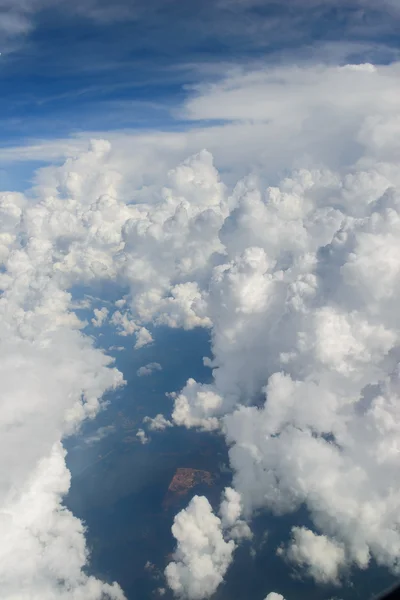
75, 66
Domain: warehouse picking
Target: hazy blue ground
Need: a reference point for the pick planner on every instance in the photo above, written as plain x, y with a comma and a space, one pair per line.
120, 495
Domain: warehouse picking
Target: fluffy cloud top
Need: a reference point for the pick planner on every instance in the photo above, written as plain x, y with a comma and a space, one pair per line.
47, 540
159, 422
231, 512
75, 230
52, 378
322, 557
323, 341
298, 283
202, 556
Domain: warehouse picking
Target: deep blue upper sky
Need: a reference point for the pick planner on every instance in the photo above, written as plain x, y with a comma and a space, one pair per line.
78, 65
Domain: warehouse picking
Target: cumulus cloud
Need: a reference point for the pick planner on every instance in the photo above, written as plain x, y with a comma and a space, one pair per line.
297, 281
100, 316
274, 596
196, 406
52, 378
322, 558
76, 231
305, 336
142, 437
148, 369
43, 550
143, 338
321, 338
205, 545
125, 325
158, 423
231, 511
316, 339
202, 555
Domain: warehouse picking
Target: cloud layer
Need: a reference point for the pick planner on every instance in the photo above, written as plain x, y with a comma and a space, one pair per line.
297, 278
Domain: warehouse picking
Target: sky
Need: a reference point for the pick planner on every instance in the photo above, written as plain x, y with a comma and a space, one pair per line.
69, 67
232, 166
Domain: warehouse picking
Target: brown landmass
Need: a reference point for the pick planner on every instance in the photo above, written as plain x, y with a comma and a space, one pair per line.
183, 481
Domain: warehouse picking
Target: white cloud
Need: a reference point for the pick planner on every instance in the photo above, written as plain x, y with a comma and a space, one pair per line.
148, 369
231, 511
43, 549
120, 303
143, 338
274, 596
124, 324
141, 435
231, 507
202, 556
158, 423
303, 309
321, 557
100, 316
99, 434
319, 326
296, 277
196, 406
81, 304
262, 94
74, 231
283, 117
52, 378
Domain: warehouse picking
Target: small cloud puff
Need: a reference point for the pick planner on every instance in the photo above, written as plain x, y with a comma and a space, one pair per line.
100, 316
158, 423
99, 434
143, 338
148, 369
142, 437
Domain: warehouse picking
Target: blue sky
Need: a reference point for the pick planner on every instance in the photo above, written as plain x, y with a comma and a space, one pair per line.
73, 66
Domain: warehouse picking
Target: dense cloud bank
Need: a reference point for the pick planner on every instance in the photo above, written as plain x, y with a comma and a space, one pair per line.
298, 284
